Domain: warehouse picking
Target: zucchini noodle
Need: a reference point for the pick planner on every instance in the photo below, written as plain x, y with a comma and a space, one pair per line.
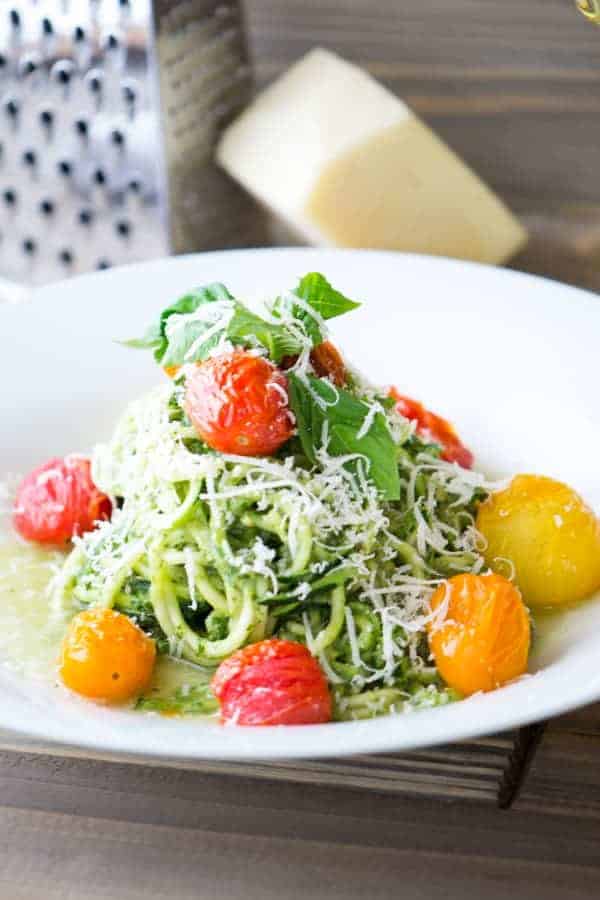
208, 552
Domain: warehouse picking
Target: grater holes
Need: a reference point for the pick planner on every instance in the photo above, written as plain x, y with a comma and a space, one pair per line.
82, 128
62, 72
65, 168
94, 84
66, 257
130, 93
14, 18
29, 246
9, 196
114, 50
29, 65
117, 138
86, 124
12, 108
94, 81
103, 264
85, 217
123, 228
112, 43
46, 118
29, 158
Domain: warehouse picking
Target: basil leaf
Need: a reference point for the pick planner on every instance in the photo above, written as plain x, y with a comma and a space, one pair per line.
345, 415
324, 299
379, 449
191, 340
176, 337
248, 329
239, 325
318, 293
148, 341
309, 421
156, 337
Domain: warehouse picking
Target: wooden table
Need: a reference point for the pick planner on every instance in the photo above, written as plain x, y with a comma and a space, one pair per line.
514, 87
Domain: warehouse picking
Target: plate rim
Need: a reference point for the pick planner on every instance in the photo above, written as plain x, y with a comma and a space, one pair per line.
374, 735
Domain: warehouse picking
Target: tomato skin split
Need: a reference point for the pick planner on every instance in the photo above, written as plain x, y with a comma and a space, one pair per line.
273, 682
434, 428
238, 403
58, 501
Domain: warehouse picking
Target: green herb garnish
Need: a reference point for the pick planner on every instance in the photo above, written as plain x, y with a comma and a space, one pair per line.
324, 411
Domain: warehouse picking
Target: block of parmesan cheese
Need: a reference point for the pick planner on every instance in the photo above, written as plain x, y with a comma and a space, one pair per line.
345, 163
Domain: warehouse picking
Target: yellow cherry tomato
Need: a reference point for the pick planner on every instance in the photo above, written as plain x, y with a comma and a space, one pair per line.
480, 639
106, 657
549, 534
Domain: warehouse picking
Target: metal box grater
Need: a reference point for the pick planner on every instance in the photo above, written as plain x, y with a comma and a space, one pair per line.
109, 112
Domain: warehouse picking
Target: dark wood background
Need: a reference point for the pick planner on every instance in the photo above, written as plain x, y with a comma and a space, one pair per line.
512, 85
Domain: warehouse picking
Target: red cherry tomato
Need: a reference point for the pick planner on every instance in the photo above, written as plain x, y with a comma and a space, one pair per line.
238, 403
59, 500
272, 682
434, 428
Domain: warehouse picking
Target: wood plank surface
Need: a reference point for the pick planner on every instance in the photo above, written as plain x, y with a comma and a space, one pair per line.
76, 828
514, 87
564, 777
108, 860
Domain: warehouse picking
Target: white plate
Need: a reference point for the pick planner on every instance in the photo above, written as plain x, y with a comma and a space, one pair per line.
510, 358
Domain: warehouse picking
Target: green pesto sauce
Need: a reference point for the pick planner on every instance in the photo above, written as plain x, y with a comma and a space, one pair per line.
31, 631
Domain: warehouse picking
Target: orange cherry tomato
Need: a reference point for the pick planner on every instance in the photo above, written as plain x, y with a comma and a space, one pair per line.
106, 657
434, 428
483, 640
273, 682
238, 403
171, 371
59, 500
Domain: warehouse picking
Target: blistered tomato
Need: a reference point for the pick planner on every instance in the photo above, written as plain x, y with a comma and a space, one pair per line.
238, 403
549, 534
273, 682
480, 638
326, 360
434, 428
328, 363
106, 657
59, 500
